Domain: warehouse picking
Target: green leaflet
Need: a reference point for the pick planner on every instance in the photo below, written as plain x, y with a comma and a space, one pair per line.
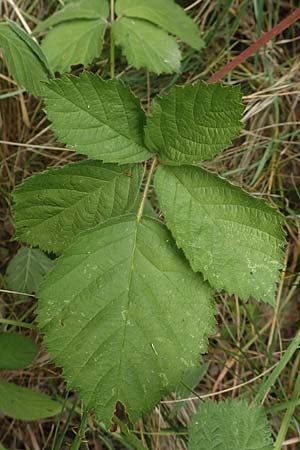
145, 45
16, 351
124, 315
53, 207
84, 9
77, 34
166, 14
234, 239
27, 269
194, 122
230, 425
25, 60
72, 43
25, 404
101, 119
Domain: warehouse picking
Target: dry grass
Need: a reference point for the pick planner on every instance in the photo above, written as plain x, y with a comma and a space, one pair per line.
249, 338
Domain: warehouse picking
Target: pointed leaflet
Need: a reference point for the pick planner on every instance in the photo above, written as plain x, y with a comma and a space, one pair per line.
84, 9
234, 239
146, 45
27, 268
16, 351
26, 404
72, 43
25, 59
230, 425
101, 119
77, 35
194, 122
53, 207
124, 315
167, 14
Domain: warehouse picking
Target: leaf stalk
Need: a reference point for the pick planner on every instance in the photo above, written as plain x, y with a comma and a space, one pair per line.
112, 41
145, 193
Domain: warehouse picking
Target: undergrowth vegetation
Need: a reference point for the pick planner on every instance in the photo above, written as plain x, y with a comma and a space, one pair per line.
148, 216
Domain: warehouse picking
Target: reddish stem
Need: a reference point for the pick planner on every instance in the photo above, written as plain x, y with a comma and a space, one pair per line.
285, 23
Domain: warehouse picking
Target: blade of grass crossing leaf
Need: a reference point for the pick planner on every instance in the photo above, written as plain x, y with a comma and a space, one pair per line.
81, 432
137, 444
288, 415
269, 382
17, 323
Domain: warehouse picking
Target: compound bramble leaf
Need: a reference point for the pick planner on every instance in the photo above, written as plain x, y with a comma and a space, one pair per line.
16, 351
25, 60
230, 425
167, 14
101, 119
194, 122
234, 239
146, 45
27, 269
53, 207
26, 404
124, 315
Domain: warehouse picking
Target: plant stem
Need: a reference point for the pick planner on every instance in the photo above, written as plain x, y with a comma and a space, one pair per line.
17, 324
112, 41
288, 415
145, 193
148, 92
285, 23
268, 383
81, 432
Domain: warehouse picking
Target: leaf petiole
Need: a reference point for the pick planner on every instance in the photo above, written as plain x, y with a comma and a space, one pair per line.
112, 41
145, 193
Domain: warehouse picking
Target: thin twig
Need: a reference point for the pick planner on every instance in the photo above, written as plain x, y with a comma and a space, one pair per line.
266, 37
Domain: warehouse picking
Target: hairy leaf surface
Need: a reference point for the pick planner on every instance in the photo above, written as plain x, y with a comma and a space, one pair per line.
234, 239
26, 404
53, 207
147, 46
25, 60
101, 119
194, 122
16, 351
124, 315
84, 9
230, 425
167, 14
27, 269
